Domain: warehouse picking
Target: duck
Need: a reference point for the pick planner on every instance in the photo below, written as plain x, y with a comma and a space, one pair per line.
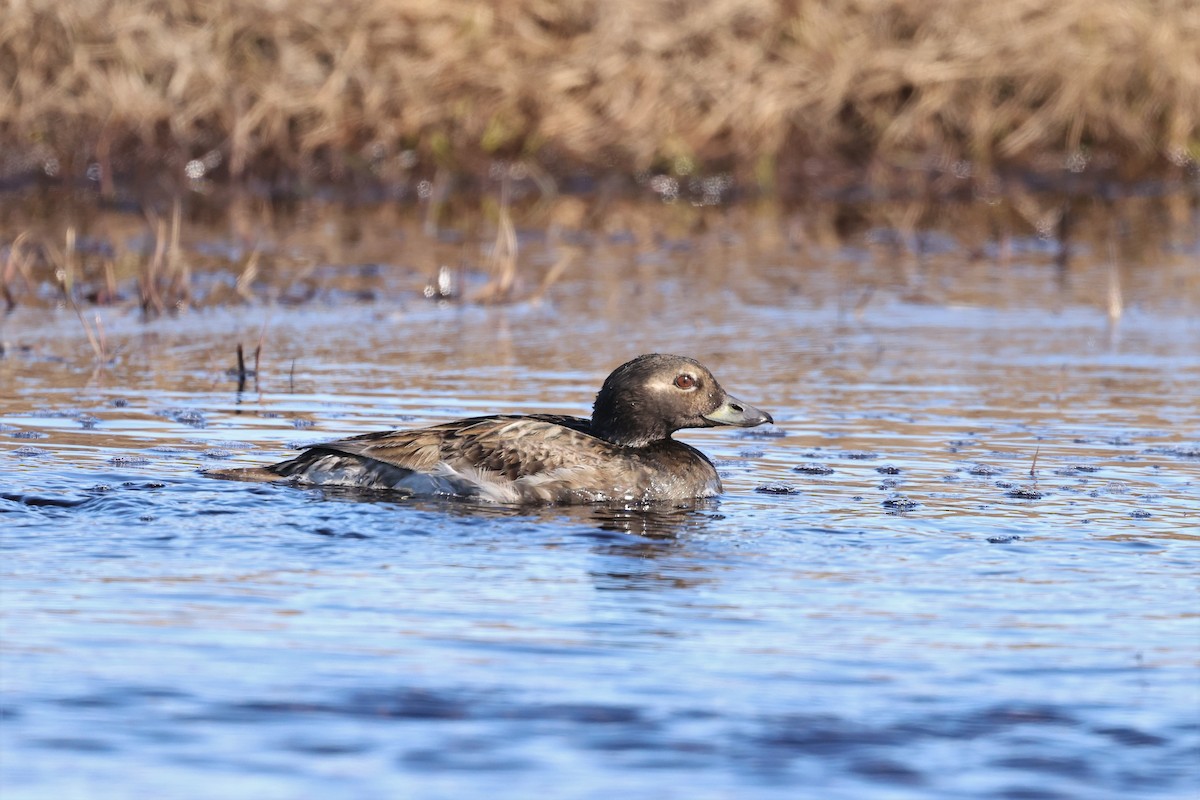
624, 453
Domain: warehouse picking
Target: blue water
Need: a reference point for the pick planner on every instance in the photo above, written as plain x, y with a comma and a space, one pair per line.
992, 595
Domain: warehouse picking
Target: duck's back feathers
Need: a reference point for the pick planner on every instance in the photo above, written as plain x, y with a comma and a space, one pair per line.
510, 446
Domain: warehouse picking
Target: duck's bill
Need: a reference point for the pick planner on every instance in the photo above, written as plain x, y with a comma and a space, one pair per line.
735, 412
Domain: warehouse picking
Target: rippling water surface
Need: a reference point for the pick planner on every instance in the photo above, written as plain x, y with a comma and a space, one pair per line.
962, 565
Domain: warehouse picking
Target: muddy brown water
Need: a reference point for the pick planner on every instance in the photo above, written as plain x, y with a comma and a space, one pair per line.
963, 564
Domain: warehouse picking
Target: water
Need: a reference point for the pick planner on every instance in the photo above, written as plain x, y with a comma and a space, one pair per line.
992, 594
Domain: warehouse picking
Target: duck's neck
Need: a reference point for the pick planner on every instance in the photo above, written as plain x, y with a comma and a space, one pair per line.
620, 423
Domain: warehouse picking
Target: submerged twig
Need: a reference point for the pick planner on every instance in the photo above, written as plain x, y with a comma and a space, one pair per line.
180, 288
245, 281
149, 295
262, 335
166, 281
503, 260
95, 337
14, 264
1116, 302
241, 369
65, 273
555, 272
439, 191
110, 280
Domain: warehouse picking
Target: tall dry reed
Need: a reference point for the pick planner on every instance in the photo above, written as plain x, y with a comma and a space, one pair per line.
766, 88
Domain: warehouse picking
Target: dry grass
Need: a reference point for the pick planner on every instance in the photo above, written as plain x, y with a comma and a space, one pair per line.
772, 90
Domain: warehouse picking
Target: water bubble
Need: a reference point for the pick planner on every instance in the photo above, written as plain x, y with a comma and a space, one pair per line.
425, 190
666, 186
407, 158
1180, 157
50, 167
712, 189
1076, 162
195, 169
443, 287
963, 169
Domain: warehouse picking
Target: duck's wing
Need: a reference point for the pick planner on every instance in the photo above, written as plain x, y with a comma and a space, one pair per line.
509, 446
506, 458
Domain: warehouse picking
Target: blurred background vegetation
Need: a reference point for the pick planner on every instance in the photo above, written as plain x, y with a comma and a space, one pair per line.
171, 153
781, 95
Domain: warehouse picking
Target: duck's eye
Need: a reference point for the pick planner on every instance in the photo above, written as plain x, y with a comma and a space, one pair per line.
685, 381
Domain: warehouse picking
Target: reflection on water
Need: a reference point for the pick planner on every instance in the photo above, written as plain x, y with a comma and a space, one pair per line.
963, 564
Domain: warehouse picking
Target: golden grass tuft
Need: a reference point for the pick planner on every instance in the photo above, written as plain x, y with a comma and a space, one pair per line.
772, 90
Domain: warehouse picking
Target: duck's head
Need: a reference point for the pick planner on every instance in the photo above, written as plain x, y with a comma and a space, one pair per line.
652, 396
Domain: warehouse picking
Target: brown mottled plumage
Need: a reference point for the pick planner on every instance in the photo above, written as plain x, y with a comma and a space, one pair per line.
624, 453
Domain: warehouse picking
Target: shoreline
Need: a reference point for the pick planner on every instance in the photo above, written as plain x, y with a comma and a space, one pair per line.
171, 252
